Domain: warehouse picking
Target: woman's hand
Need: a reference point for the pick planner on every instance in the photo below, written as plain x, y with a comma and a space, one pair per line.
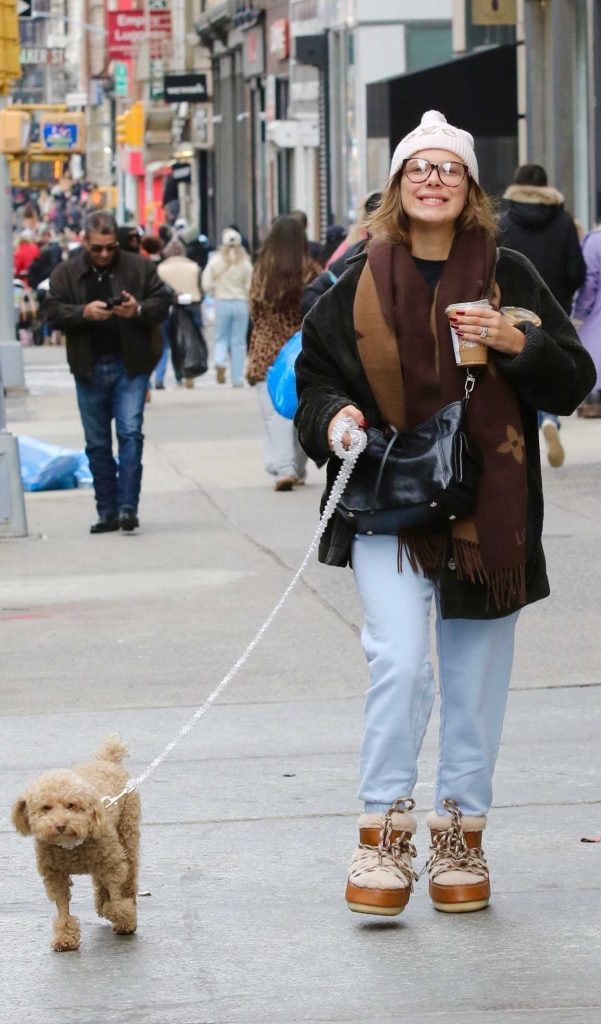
500, 334
355, 414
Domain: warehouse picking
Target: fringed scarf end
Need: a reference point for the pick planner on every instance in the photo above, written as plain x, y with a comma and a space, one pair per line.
507, 587
425, 551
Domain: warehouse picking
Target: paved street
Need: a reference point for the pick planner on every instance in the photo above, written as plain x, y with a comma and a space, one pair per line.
248, 825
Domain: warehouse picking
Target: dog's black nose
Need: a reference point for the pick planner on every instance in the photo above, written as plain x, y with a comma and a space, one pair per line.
61, 828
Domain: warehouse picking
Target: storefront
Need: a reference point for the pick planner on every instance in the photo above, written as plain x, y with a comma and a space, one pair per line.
480, 95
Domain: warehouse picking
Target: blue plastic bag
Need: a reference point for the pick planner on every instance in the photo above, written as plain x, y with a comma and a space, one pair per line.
46, 467
281, 379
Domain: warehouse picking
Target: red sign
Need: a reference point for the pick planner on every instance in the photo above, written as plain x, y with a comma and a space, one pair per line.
279, 39
127, 29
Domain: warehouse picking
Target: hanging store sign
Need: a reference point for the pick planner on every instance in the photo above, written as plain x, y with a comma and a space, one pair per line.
182, 173
253, 52
126, 30
279, 39
189, 87
494, 12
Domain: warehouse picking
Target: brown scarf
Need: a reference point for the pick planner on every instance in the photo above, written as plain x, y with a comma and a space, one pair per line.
404, 344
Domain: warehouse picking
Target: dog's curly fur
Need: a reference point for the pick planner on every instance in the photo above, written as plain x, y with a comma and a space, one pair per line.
75, 834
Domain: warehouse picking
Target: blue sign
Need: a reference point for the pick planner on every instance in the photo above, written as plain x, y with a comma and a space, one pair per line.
60, 136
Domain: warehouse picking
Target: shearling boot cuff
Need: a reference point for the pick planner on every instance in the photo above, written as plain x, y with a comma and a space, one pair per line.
400, 822
441, 822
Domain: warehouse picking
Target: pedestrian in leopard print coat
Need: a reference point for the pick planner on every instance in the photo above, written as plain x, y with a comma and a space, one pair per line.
282, 271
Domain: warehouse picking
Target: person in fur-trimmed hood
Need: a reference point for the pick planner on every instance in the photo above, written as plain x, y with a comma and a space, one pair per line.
536, 224
377, 348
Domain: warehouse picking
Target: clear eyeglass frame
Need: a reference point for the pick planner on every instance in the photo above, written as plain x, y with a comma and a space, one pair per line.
450, 172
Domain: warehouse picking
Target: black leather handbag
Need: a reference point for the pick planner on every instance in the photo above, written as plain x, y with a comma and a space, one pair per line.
425, 476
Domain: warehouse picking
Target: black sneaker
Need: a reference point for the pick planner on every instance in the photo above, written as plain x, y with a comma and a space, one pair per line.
128, 521
105, 524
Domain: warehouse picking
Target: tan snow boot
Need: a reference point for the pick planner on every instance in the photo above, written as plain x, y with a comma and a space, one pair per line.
459, 879
381, 873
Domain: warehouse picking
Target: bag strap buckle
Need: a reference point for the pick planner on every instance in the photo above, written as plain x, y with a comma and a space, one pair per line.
470, 383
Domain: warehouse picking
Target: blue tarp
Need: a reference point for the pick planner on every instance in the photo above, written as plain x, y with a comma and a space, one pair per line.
46, 467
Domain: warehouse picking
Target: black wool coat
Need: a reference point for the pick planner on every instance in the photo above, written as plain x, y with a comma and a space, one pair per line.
140, 336
553, 372
536, 224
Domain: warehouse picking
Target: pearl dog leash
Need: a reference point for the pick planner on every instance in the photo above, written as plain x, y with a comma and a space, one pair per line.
348, 457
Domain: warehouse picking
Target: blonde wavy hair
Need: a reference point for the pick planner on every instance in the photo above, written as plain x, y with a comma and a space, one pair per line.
390, 223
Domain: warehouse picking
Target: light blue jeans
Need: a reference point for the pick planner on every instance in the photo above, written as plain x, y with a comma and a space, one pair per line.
475, 659
231, 325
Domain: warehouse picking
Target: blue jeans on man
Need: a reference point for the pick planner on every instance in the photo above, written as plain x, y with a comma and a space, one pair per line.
111, 395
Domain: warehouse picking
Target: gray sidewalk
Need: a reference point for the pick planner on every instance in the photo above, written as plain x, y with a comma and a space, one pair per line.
248, 825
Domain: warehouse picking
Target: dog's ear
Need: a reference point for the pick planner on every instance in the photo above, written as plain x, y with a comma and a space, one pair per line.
20, 818
98, 819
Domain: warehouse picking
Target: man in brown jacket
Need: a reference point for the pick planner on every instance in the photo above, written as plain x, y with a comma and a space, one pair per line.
110, 303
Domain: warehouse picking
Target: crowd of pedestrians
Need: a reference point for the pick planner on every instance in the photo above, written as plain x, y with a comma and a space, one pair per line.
257, 301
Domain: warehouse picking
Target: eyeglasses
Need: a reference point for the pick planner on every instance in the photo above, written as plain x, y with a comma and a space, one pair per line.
104, 248
449, 172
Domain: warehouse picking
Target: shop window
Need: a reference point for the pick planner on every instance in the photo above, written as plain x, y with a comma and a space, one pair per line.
427, 45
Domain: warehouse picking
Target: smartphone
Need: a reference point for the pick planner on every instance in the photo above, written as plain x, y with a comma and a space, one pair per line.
111, 303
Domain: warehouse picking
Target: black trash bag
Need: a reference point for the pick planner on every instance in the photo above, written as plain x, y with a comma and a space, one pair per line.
189, 348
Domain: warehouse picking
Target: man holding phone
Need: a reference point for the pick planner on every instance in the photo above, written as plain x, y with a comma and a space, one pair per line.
110, 304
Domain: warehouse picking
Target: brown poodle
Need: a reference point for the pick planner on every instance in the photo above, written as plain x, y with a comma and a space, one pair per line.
75, 834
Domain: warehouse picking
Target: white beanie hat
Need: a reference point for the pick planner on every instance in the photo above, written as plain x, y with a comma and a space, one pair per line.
435, 132
231, 237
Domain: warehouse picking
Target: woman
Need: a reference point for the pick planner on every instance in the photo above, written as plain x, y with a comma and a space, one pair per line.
227, 277
282, 271
587, 317
24, 254
183, 276
377, 348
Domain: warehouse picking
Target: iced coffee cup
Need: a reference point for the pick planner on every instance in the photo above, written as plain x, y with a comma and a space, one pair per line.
518, 315
468, 352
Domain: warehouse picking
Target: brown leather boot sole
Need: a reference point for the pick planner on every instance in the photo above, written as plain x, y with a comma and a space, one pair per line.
460, 899
383, 902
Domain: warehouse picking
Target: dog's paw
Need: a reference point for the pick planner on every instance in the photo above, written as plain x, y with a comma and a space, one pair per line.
65, 934
124, 917
105, 910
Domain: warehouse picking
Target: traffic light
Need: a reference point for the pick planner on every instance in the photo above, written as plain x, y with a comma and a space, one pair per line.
10, 65
136, 124
130, 126
14, 130
122, 128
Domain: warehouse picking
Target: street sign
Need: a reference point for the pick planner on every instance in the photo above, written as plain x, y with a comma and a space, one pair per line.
156, 67
76, 99
120, 74
42, 55
191, 87
24, 8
